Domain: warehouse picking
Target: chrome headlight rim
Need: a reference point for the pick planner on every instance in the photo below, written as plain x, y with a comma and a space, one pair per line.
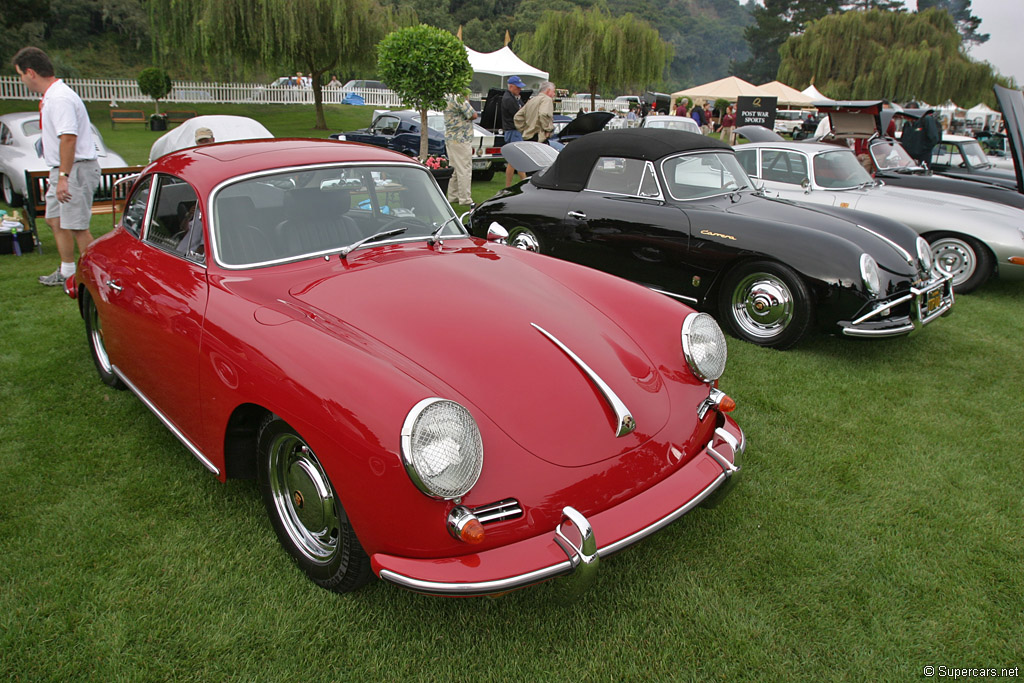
870, 275
924, 254
410, 461
704, 371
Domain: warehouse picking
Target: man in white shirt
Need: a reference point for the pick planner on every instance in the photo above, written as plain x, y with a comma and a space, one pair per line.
70, 150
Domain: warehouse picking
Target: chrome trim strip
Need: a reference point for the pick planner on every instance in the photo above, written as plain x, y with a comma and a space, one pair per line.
193, 449
672, 294
903, 252
626, 423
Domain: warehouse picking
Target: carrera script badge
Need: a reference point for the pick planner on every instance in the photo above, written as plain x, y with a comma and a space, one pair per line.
717, 234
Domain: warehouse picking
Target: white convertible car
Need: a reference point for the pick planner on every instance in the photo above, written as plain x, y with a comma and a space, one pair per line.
20, 151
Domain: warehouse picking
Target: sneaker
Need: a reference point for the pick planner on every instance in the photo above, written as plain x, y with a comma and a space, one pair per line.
54, 279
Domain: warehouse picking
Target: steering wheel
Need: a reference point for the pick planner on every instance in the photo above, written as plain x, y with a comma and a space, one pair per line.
411, 223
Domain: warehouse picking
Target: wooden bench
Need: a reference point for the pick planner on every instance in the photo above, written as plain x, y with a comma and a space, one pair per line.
109, 198
180, 116
128, 116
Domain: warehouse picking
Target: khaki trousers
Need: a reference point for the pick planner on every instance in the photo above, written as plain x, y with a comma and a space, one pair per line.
460, 158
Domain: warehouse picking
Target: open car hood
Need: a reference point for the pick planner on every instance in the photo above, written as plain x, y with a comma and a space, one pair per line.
529, 157
586, 123
1012, 104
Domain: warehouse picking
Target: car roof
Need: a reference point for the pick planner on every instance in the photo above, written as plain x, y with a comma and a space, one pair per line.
207, 166
572, 167
805, 147
946, 137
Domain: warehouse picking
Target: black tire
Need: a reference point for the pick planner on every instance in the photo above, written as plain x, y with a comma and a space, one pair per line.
12, 198
305, 511
766, 303
525, 239
97, 349
484, 176
970, 261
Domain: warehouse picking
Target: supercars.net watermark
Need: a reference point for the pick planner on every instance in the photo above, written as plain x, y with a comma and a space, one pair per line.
957, 672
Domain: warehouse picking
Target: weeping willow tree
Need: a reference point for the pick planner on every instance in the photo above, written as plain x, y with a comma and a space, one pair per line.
591, 50
316, 34
890, 55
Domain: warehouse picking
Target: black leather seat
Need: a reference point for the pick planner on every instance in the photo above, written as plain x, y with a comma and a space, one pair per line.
239, 237
316, 221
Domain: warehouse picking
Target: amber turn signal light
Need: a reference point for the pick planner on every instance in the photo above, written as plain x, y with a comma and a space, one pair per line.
1019, 260
464, 526
472, 532
726, 405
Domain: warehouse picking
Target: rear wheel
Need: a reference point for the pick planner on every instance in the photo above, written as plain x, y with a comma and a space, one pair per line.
10, 196
484, 176
97, 348
305, 511
524, 238
766, 304
970, 262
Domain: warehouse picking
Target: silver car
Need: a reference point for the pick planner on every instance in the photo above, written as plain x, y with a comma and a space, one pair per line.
19, 152
673, 122
971, 238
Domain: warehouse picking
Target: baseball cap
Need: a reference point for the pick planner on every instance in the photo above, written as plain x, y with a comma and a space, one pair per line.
516, 81
203, 134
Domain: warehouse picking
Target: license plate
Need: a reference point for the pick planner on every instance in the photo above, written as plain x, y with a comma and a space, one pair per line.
479, 164
934, 299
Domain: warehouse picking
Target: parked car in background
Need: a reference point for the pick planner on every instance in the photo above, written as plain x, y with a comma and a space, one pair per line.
400, 131
359, 86
21, 150
622, 102
959, 156
676, 212
970, 238
273, 303
224, 128
684, 123
790, 121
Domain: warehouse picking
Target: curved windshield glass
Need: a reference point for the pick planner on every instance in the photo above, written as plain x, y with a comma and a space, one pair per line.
891, 155
839, 170
974, 154
306, 212
674, 123
705, 174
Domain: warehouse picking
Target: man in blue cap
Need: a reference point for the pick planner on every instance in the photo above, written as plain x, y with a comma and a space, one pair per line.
510, 104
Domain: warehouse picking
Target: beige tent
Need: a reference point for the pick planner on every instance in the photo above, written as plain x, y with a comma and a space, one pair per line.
789, 97
726, 88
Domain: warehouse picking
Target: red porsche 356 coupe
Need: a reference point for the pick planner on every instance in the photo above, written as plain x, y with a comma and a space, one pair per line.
456, 416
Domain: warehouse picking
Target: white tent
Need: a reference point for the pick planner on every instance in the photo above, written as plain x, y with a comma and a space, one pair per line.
493, 69
814, 94
787, 96
982, 116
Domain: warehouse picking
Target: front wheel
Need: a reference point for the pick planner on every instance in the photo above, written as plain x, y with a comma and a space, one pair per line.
766, 304
525, 239
11, 197
968, 260
304, 509
97, 348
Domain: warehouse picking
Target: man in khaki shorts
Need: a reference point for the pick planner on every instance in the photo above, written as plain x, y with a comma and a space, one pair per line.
70, 150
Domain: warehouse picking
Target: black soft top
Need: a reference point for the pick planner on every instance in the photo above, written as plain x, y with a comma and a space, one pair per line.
572, 167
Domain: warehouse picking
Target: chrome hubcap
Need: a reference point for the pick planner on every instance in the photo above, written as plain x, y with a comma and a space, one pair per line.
956, 257
762, 305
304, 498
8, 190
526, 240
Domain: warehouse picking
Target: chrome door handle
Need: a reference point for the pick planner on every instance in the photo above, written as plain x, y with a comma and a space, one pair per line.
577, 214
114, 286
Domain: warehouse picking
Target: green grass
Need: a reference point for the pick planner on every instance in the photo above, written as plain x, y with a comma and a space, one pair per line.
877, 531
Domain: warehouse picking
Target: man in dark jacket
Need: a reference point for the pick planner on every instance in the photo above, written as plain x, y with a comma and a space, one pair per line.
920, 136
510, 104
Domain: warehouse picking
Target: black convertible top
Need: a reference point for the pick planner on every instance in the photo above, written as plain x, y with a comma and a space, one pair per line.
572, 167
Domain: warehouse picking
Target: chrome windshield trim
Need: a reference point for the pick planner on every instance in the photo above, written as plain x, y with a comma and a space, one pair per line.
625, 422
193, 449
722, 193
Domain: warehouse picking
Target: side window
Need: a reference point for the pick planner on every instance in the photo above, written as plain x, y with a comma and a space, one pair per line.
174, 215
386, 125
618, 175
135, 209
5, 135
748, 160
783, 167
944, 155
649, 185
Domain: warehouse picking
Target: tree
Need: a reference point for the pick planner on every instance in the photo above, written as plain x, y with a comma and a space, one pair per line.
316, 35
156, 83
960, 10
892, 55
423, 64
588, 49
774, 24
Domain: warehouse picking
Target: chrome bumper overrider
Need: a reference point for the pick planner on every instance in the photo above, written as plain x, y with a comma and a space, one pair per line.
576, 538
872, 324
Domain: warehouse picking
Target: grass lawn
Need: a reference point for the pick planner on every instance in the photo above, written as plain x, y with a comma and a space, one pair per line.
877, 531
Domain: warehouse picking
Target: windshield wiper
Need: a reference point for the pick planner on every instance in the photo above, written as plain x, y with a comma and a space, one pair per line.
435, 237
380, 235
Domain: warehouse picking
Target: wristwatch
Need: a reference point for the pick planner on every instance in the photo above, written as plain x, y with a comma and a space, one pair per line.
62, 174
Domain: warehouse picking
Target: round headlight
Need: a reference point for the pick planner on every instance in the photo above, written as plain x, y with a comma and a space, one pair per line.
924, 253
704, 346
441, 448
869, 274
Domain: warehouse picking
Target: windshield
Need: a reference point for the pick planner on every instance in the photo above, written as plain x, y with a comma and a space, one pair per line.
839, 170
299, 213
696, 176
675, 123
974, 154
890, 155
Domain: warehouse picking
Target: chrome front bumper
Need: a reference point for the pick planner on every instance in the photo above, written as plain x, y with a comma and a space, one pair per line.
928, 301
575, 535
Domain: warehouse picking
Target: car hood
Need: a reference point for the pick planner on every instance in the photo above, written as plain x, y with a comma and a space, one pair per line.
473, 327
1012, 103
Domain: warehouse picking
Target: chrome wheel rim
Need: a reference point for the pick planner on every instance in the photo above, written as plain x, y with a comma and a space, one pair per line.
304, 499
956, 257
8, 190
96, 338
762, 305
524, 239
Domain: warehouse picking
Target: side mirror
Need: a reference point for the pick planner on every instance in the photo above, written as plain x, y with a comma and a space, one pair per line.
806, 184
496, 233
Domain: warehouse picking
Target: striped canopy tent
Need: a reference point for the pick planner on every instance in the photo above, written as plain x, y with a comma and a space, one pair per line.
728, 88
789, 97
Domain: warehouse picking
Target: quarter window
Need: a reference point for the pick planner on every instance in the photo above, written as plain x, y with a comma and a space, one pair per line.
748, 160
175, 215
619, 175
135, 209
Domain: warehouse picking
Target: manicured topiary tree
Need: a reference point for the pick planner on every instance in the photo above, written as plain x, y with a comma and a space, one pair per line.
155, 82
422, 64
